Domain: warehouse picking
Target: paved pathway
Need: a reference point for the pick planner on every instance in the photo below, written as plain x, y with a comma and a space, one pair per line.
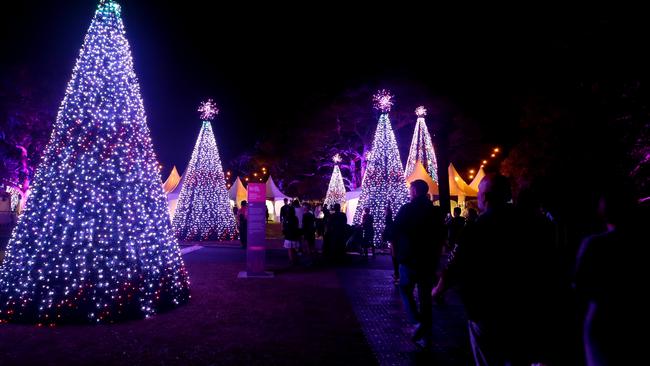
377, 304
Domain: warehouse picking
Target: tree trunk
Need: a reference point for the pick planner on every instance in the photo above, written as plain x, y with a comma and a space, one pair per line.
23, 173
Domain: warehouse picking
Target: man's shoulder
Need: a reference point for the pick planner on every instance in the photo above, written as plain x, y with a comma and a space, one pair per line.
405, 208
595, 241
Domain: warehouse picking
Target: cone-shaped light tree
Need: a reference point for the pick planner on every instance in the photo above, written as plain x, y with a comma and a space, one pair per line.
421, 148
203, 212
336, 188
383, 183
95, 242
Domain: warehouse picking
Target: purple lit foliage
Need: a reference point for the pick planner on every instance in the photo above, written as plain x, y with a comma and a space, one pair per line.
203, 211
384, 183
421, 149
95, 242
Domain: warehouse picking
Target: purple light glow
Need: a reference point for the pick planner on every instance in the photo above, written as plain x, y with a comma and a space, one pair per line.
208, 110
383, 100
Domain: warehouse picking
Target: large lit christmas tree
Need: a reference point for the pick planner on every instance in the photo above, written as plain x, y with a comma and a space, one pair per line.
203, 212
383, 182
95, 242
421, 148
336, 188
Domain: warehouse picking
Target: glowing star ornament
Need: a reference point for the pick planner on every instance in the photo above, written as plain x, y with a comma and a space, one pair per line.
421, 148
383, 182
208, 110
94, 243
336, 158
203, 212
383, 101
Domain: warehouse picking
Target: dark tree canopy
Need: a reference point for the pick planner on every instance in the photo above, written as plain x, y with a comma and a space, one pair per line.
27, 110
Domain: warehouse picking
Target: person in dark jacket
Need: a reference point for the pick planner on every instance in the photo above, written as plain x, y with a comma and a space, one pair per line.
243, 223
419, 231
309, 229
390, 241
291, 235
284, 210
367, 223
455, 227
609, 280
505, 278
335, 234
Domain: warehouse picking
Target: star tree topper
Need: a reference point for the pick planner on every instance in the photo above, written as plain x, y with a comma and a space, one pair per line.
208, 110
383, 100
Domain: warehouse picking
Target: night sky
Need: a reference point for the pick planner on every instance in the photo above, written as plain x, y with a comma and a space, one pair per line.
271, 66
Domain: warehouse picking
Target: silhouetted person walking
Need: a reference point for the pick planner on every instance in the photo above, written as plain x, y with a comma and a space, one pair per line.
472, 215
284, 210
291, 236
455, 228
243, 223
309, 229
389, 238
419, 232
335, 234
499, 265
367, 223
608, 280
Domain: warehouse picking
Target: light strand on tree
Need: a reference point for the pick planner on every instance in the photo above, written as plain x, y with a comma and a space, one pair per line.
421, 148
203, 212
383, 183
95, 242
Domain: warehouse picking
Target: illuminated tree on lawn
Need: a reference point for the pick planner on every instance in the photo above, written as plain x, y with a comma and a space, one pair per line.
384, 180
203, 212
95, 242
421, 148
336, 188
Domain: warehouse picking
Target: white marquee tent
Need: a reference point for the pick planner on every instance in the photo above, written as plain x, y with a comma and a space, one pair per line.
274, 199
237, 193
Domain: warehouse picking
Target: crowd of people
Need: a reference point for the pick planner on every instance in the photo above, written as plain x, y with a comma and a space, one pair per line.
521, 306
303, 223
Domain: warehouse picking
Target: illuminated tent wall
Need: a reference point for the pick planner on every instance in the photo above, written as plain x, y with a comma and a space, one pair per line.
237, 193
172, 189
351, 202
477, 179
172, 197
459, 188
172, 181
274, 199
420, 173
